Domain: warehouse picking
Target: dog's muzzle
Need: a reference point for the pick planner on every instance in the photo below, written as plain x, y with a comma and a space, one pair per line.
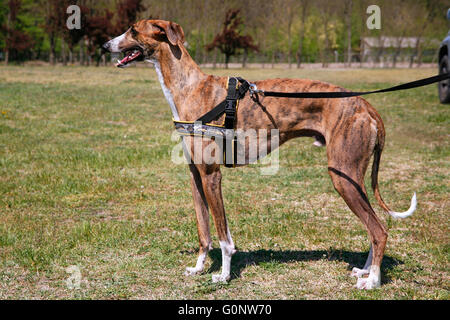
131, 55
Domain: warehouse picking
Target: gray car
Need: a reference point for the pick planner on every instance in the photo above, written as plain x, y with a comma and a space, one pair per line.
444, 67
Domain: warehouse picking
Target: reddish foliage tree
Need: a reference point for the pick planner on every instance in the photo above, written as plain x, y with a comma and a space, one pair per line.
17, 42
73, 36
229, 41
127, 12
55, 21
98, 30
95, 29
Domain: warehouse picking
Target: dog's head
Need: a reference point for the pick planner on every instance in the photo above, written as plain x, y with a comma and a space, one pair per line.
144, 39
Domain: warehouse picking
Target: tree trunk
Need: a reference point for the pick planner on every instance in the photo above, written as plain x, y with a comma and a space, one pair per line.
215, 58
380, 50
290, 43
63, 52
416, 52
397, 52
82, 52
52, 50
327, 44
197, 50
227, 59
8, 36
289, 53
52, 57
302, 34
361, 54
299, 51
71, 56
349, 32
244, 59
99, 58
419, 56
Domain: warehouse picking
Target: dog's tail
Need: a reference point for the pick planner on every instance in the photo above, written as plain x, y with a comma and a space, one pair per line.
376, 164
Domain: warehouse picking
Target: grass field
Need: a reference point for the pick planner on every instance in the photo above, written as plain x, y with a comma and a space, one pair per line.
86, 180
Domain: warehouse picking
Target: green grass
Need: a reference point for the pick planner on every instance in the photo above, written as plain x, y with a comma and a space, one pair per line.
86, 179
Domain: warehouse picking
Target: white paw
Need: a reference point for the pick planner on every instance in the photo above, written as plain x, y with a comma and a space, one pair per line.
317, 143
368, 283
356, 272
220, 278
192, 271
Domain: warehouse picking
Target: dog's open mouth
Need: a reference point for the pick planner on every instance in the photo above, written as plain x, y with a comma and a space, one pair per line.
131, 55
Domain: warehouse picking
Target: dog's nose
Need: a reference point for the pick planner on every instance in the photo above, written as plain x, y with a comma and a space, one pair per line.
106, 46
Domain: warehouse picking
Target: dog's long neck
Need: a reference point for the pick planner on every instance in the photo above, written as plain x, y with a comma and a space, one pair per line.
178, 75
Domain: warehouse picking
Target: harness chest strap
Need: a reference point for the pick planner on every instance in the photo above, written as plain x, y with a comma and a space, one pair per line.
203, 128
231, 104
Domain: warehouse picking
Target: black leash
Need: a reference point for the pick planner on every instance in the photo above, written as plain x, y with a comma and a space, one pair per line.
331, 95
219, 110
235, 93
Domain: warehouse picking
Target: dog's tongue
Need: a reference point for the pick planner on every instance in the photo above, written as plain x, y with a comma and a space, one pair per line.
130, 57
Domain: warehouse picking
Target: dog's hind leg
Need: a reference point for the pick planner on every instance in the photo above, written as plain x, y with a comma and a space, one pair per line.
202, 215
359, 273
211, 181
355, 196
348, 158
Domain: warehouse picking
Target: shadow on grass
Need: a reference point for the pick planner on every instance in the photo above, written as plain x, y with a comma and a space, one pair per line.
242, 260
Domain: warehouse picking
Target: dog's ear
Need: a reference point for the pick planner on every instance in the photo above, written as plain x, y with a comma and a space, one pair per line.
172, 30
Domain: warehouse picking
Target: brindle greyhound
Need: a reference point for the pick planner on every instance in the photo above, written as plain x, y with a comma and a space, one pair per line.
351, 129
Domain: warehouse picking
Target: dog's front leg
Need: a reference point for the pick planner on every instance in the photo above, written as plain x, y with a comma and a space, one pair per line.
211, 181
202, 214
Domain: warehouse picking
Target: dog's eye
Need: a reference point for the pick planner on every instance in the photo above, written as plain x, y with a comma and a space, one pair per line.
133, 31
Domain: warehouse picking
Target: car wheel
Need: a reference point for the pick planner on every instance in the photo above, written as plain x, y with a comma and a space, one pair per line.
444, 86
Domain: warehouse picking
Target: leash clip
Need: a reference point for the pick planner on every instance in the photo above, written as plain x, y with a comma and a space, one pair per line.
254, 91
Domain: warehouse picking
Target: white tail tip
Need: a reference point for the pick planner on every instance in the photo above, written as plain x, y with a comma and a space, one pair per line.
412, 208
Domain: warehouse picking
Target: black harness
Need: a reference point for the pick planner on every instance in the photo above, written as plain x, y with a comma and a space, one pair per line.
203, 127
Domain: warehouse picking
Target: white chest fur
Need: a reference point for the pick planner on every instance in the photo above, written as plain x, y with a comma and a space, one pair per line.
166, 91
